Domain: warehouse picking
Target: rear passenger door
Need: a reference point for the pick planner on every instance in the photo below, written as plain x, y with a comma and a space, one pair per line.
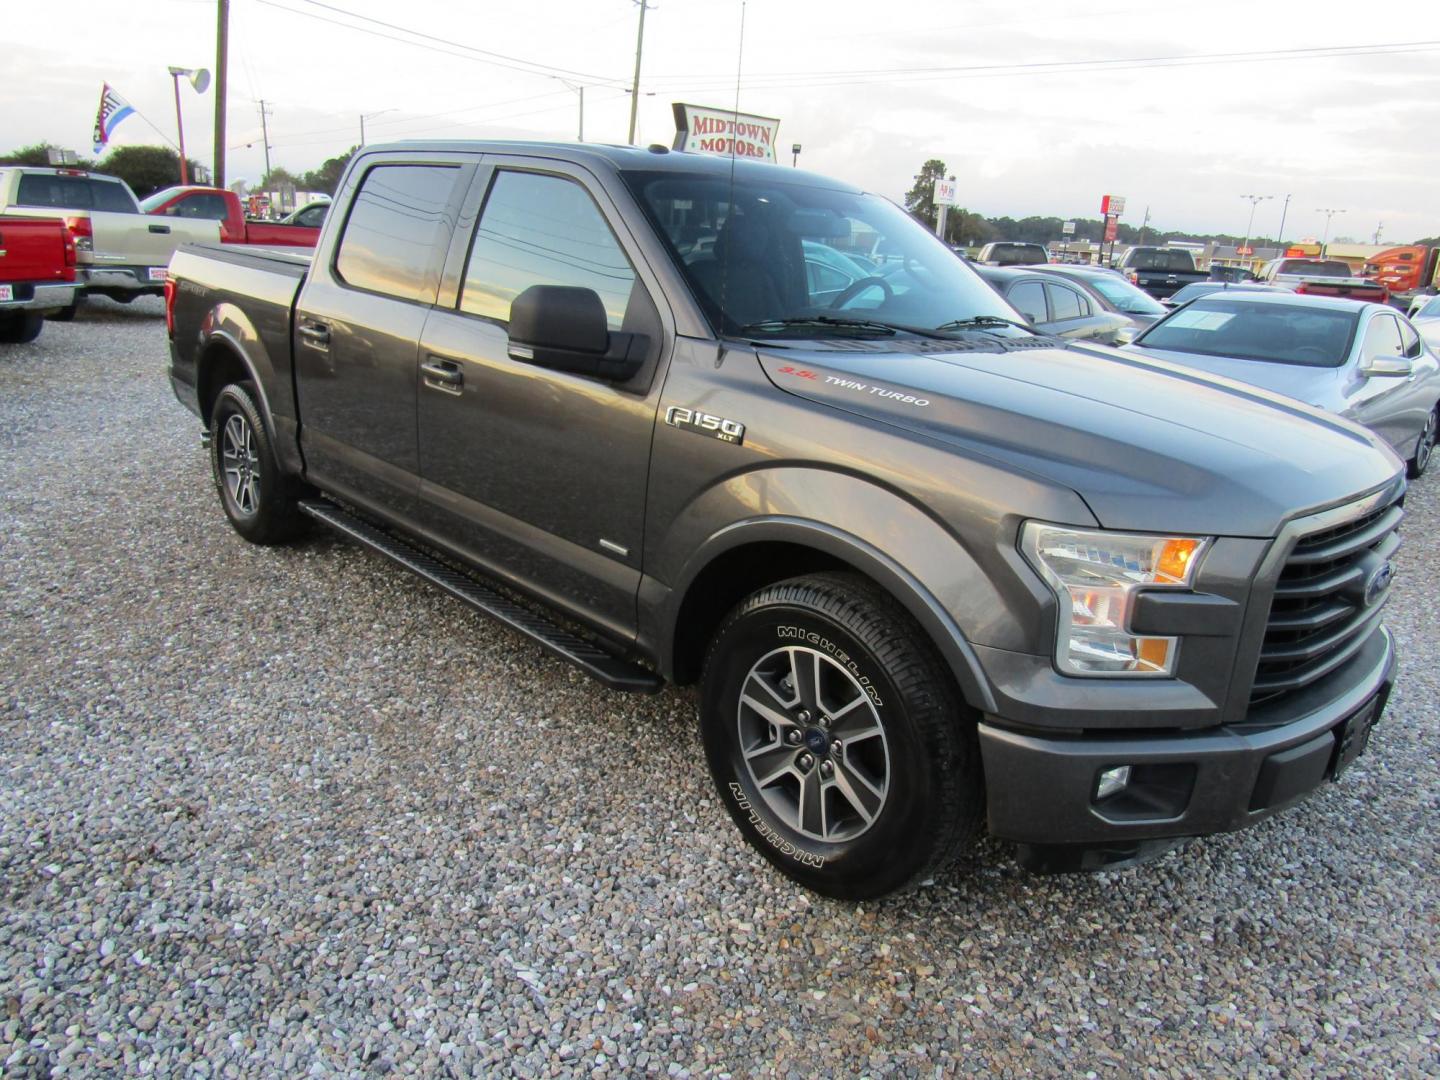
357, 323
541, 474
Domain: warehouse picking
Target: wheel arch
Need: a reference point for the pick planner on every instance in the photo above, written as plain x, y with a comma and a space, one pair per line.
749, 555
223, 360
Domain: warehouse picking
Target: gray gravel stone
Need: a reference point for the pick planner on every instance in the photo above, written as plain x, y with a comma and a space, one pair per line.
288, 812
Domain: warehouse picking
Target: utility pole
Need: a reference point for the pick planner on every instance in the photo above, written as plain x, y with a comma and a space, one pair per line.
222, 42
1280, 239
1379, 228
369, 116
635, 88
1143, 224
265, 134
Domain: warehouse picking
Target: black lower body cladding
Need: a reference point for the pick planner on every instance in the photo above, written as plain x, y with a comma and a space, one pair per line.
836, 740
1044, 791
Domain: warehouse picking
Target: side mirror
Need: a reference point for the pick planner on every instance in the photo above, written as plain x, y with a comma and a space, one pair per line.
1386, 365
564, 328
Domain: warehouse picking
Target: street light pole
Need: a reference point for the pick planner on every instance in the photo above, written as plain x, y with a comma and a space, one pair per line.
1280, 239
1325, 236
1255, 200
175, 73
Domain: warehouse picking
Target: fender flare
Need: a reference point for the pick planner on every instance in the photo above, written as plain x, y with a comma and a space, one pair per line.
937, 623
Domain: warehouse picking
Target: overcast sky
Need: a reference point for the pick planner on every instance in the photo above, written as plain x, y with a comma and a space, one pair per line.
870, 89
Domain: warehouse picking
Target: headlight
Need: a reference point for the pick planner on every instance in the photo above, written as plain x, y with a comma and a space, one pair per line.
1095, 576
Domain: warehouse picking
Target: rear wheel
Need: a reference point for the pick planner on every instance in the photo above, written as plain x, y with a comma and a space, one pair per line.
836, 739
1425, 447
18, 327
261, 502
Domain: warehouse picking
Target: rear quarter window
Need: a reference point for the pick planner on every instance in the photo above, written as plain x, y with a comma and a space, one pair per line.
398, 230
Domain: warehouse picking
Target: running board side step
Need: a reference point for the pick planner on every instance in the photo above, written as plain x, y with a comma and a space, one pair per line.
613, 671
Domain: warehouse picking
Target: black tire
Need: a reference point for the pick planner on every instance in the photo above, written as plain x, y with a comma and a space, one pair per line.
67, 313
18, 327
1425, 447
876, 668
260, 500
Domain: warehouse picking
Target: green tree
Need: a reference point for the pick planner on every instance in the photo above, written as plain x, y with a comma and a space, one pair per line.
38, 154
1428, 241
920, 199
327, 177
277, 178
146, 169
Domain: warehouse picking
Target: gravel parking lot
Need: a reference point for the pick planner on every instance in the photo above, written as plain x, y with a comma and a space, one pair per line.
290, 812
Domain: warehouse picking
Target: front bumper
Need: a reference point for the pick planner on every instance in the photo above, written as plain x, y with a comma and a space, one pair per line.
40, 297
1184, 784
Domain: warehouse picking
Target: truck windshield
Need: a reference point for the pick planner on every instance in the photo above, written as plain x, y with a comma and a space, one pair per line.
781, 258
1140, 259
1275, 333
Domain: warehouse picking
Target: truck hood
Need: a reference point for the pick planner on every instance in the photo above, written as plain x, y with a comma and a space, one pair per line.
1148, 445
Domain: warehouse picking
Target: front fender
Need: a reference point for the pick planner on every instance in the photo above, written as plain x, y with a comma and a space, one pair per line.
959, 591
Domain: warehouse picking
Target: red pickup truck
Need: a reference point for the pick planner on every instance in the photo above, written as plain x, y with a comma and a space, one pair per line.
37, 275
218, 204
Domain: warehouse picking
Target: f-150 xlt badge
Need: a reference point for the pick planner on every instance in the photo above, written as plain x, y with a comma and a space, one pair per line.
702, 423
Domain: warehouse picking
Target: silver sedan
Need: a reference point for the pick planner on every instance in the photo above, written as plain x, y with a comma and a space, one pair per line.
1425, 314
1366, 362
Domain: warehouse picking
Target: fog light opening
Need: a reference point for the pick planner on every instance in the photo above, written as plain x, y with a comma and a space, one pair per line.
1112, 782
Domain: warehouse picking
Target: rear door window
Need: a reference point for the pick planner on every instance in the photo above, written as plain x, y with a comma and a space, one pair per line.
205, 205
538, 229
398, 230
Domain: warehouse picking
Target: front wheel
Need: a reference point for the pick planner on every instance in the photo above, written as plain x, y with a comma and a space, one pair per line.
261, 502
1425, 447
836, 739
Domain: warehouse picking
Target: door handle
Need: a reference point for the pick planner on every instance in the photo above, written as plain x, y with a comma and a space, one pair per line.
160, 228
443, 375
315, 335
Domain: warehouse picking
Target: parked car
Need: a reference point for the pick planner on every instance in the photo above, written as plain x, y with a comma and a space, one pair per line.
1209, 288
1322, 277
219, 204
311, 215
37, 275
1160, 271
830, 272
934, 573
1425, 314
1365, 362
120, 251
1065, 309
1012, 253
1115, 294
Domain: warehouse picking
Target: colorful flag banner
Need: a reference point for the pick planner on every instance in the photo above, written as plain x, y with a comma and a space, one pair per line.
113, 109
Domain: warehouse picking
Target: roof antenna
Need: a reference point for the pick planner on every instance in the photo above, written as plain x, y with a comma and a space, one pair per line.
734, 128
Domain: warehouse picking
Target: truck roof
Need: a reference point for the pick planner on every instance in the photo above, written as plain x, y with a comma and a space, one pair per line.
617, 158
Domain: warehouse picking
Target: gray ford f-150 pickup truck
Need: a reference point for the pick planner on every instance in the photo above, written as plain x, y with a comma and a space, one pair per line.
934, 572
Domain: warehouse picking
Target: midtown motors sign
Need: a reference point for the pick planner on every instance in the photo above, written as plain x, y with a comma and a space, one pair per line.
702, 130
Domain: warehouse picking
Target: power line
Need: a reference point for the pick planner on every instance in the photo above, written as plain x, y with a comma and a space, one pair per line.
473, 53
1045, 67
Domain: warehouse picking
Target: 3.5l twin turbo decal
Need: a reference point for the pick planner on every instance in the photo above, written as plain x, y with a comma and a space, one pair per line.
855, 385
703, 423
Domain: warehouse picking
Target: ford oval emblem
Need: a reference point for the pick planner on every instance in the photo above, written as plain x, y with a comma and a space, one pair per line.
1378, 582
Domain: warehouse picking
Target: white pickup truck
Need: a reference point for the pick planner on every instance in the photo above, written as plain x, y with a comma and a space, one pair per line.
121, 252
1322, 277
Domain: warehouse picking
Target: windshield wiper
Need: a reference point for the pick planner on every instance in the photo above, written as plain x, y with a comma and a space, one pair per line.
822, 320
976, 322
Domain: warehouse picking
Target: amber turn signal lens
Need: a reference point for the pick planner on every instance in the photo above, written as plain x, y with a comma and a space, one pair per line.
1173, 560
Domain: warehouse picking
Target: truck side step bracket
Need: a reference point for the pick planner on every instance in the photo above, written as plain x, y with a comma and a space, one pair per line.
615, 672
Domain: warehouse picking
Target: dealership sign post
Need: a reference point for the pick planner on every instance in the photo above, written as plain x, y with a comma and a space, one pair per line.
947, 194
702, 130
1111, 207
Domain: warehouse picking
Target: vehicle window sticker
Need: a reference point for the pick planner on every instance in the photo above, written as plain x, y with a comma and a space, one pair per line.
1201, 320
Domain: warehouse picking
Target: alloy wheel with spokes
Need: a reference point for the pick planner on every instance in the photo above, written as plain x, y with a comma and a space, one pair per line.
813, 744
241, 463
1425, 447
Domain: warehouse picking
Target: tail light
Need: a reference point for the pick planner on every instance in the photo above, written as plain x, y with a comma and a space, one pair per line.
81, 232
1303, 287
68, 274
170, 307
1133, 276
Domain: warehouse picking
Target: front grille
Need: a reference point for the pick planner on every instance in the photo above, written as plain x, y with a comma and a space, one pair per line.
1319, 617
